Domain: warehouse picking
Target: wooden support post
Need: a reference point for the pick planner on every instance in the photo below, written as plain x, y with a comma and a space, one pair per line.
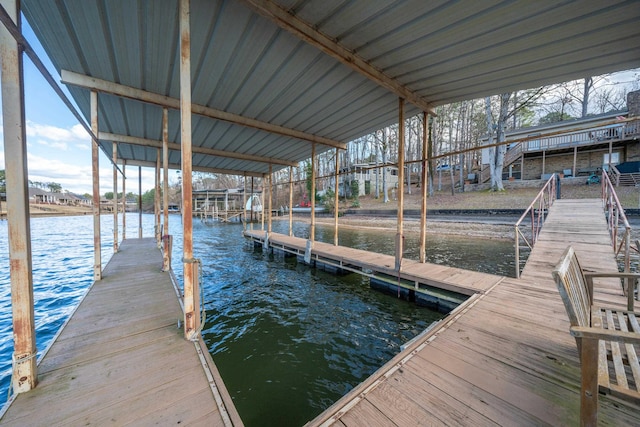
252, 207
336, 200
423, 187
24, 377
543, 162
270, 197
244, 203
97, 257
589, 382
262, 203
156, 202
115, 197
290, 200
312, 196
124, 200
166, 253
139, 202
399, 233
575, 161
191, 292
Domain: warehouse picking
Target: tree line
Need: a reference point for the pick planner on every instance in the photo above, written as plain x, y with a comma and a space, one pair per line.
455, 135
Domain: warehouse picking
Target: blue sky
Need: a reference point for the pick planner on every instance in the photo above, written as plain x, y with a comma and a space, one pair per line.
58, 148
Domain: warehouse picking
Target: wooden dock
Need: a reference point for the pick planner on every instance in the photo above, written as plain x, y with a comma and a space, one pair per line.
420, 275
122, 359
504, 357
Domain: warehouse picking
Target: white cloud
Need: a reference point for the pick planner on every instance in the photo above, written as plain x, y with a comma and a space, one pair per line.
62, 146
79, 132
74, 134
78, 179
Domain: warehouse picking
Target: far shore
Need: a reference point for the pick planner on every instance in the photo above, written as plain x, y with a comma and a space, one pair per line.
473, 228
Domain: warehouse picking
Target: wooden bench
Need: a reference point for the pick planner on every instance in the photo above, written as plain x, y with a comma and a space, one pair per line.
608, 340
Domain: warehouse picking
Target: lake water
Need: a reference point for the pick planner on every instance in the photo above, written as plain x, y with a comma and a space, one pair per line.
288, 340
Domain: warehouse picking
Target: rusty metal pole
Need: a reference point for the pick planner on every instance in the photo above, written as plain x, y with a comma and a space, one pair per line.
312, 196
166, 264
115, 198
97, 258
423, 187
191, 294
139, 202
336, 201
156, 201
24, 377
124, 200
270, 197
399, 233
290, 200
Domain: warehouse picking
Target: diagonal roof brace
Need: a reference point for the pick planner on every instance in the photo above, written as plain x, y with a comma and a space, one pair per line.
126, 139
92, 83
309, 34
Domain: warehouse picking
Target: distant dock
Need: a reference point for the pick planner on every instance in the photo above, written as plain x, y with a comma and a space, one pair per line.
436, 286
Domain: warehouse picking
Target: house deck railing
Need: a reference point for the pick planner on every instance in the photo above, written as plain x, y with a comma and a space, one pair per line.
607, 133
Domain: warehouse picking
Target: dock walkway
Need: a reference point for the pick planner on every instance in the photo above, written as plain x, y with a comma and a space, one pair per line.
504, 357
122, 359
438, 276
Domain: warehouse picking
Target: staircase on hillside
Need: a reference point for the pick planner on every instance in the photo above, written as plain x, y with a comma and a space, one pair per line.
512, 154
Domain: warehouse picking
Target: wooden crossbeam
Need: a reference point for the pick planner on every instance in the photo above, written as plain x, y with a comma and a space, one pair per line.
309, 34
178, 166
199, 150
99, 85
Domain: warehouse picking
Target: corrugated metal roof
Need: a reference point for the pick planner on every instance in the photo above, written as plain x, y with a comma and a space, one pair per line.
244, 63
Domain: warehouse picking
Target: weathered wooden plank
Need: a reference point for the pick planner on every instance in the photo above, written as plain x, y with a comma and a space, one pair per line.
366, 415
450, 395
502, 387
438, 409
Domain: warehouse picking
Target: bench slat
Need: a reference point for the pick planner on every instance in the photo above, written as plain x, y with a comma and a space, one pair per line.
634, 323
631, 350
616, 355
603, 368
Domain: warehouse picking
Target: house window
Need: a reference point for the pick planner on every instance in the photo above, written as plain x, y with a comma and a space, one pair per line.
615, 159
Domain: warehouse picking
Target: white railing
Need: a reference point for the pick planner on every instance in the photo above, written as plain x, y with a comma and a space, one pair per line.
611, 132
537, 212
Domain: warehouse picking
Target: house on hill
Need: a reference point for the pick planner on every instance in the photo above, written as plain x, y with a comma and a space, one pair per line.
576, 148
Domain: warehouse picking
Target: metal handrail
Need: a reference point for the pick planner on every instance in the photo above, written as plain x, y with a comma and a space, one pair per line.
543, 201
616, 219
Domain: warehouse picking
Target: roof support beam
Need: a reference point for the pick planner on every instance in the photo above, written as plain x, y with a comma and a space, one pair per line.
178, 166
134, 140
306, 32
92, 83
24, 368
